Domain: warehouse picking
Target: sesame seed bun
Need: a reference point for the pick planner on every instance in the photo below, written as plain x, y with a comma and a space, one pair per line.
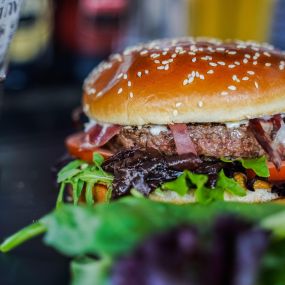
187, 80
257, 196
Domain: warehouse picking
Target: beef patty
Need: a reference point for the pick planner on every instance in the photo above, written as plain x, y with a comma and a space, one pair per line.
215, 140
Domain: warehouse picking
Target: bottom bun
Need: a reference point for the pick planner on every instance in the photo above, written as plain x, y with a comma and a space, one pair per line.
257, 196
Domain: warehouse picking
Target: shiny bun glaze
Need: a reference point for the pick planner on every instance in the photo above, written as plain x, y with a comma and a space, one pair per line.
187, 80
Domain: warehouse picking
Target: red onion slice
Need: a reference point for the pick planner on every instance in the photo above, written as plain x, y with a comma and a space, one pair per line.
182, 139
265, 141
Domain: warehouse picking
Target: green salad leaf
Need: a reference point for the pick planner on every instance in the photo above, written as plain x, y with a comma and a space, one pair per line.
109, 230
258, 165
189, 181
86, 271
81, 175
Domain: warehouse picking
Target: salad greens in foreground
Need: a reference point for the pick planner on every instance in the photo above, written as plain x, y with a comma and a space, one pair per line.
82, 177
109, 231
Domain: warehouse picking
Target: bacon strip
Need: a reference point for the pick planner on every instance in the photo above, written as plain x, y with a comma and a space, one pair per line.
99, 135
265, 140
182, 139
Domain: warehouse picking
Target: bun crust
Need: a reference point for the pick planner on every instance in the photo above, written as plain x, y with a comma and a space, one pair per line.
186, 80
257, 196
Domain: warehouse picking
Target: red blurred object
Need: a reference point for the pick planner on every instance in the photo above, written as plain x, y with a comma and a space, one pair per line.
104, 6
100, 26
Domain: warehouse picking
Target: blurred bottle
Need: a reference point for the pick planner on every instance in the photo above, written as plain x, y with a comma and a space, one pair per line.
9, 15
30, 53
100, 30
241, 19
278, 35
157, 19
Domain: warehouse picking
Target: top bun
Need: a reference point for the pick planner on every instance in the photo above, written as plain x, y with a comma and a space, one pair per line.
187, 80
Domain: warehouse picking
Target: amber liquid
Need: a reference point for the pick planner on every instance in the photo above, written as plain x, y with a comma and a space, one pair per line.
235, 19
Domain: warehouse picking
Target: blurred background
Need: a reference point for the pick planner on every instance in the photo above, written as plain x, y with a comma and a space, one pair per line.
56, 45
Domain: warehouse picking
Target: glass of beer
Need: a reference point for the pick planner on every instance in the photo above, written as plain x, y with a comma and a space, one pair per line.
234, 19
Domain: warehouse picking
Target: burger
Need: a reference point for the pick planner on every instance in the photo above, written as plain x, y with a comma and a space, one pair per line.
182, 120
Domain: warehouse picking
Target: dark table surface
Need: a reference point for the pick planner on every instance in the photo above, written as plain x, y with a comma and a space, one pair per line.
33, 125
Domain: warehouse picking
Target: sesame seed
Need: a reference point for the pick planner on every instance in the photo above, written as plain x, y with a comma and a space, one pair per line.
139, 74
197, 74
91, 91
235, 78
191, 53
160, 67
131, 94
245, 61
256, 84
281, 67
185, 82
155, 55
247, 56
157, 61
194, 59
200, 104
120, 90
99, 94
175, 112
231, 66
125, 76
221, 63
143, 52
166, 67
255, 62
232, 87
129, 83
221, 49
120, 75
212, 64
190, 79
237, 63
224, 93
164, 53
268, 64
164, 62
250, 72
267, 54
232, 52
245, 78
178, 104
174, 55
211, 71
202, 77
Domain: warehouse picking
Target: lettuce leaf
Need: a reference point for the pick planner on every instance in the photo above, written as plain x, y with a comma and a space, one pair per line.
189, 181
258, 165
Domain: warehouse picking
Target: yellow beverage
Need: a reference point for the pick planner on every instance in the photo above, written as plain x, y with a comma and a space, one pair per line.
242, 19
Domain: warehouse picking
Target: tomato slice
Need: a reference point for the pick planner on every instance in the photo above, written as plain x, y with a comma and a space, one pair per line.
275, 174
77, 147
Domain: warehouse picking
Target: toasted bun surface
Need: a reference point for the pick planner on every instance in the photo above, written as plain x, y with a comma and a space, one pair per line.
258, 196
186, 80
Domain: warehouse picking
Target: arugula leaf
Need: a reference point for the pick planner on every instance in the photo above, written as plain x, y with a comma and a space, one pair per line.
79, 175
98, 159
179, 185
230, 185
258, 165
